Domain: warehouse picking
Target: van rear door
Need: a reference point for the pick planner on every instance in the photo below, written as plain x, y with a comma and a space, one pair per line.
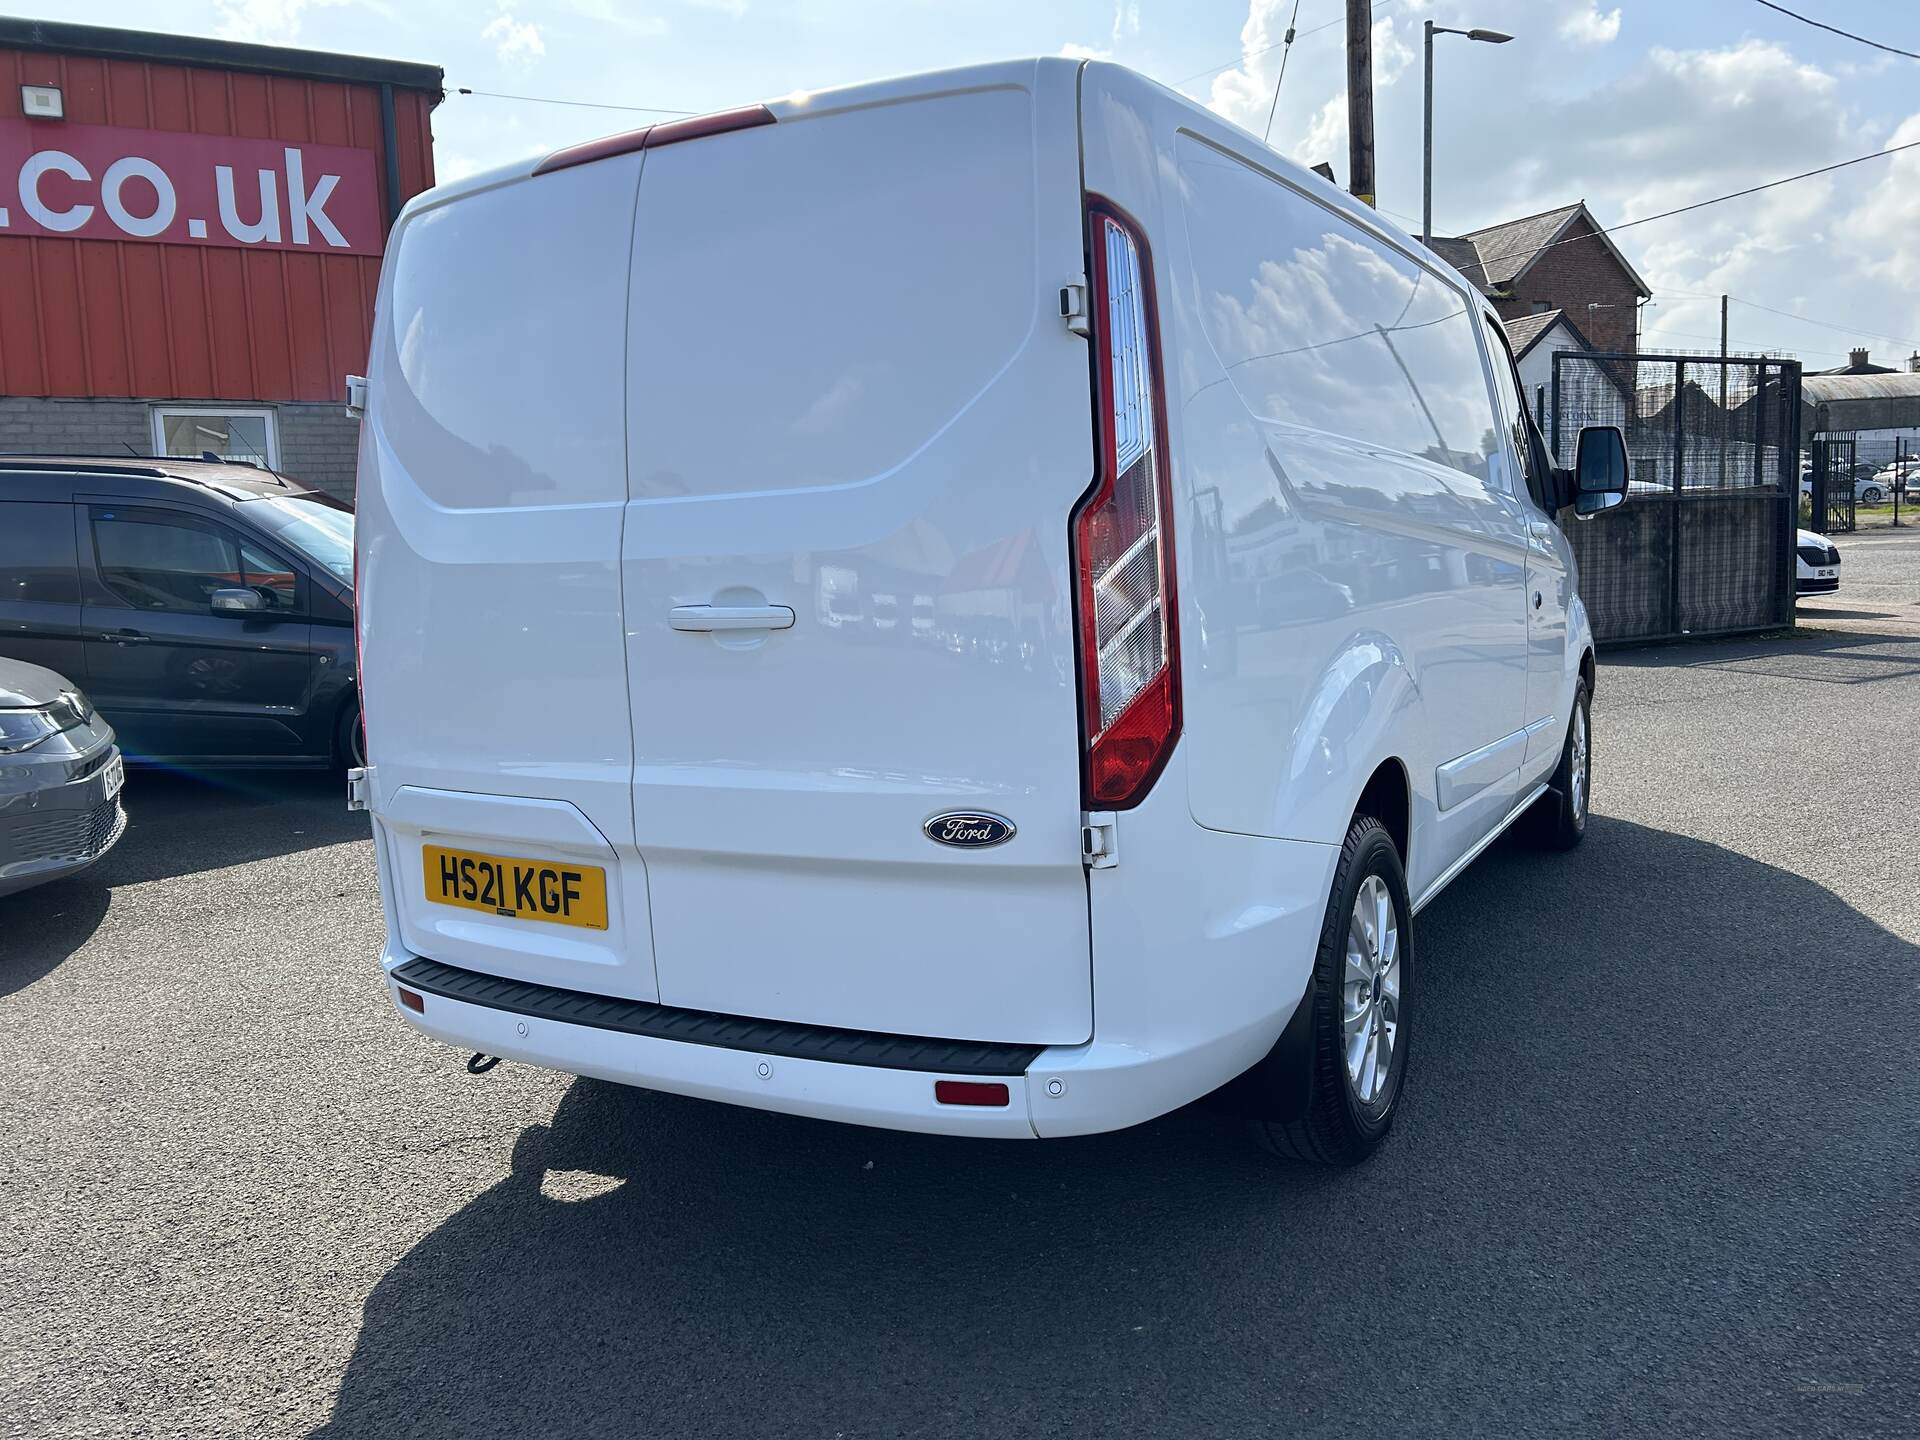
857, 425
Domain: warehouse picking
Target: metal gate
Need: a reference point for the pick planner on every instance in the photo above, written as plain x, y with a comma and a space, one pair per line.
1704, 543
1832, 484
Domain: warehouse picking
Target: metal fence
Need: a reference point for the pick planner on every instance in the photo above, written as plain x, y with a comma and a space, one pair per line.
1704, 543
1846, 471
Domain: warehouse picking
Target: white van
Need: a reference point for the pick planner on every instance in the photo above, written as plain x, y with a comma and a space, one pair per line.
1246, 621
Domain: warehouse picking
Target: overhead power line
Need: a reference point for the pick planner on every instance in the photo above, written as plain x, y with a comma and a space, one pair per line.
1857, 332
1714, 200
1274, 108
1836, 30
1256, 54
577, 104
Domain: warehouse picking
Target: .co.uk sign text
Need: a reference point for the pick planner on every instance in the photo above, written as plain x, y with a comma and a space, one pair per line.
101, 182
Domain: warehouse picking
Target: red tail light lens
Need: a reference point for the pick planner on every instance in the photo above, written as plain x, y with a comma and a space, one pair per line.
1123, 539
970, 1092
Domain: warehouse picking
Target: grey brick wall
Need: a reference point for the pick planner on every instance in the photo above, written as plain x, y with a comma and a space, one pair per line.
74, 427
318, 443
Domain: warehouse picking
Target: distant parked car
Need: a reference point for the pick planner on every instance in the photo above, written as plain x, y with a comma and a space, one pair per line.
206, 606
1868, 486
1816, 564
60, 777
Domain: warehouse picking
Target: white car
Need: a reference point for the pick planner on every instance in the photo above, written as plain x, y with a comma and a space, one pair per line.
647, 417
1816, 564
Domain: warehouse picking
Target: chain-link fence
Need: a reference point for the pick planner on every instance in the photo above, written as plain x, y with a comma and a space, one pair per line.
1704, 543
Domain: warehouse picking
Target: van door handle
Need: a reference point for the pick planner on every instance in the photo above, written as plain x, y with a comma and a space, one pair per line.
731, 617
127, 637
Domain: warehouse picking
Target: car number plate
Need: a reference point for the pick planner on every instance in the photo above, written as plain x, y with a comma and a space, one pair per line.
518, 889
116, 776
1826, 572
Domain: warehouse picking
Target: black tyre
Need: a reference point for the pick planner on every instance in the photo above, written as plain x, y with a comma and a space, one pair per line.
1356, 1043
1872, 495
349, 739
1559, 817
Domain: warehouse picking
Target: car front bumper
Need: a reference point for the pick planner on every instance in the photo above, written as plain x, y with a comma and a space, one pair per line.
57, 818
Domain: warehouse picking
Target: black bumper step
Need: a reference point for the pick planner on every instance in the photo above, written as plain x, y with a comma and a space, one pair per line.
728, 1032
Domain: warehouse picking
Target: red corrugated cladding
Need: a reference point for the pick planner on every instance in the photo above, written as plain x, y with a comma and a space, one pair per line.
129, 318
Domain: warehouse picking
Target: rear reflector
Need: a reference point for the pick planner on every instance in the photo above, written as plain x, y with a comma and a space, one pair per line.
968, 1092
652, 137
1123, 551
417, 1003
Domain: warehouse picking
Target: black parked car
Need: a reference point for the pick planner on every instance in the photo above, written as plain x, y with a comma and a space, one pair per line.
206, 607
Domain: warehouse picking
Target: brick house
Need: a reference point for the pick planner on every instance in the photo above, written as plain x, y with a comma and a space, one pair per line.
1556, 260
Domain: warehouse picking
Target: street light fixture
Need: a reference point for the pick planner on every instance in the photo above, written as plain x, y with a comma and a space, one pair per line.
1487, 37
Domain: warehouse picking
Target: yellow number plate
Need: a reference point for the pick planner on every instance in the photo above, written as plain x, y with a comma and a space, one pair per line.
518, 889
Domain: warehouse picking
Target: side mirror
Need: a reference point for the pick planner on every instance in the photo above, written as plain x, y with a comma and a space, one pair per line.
236, 601
1599, 470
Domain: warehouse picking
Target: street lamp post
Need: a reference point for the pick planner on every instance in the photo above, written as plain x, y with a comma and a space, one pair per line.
1489, 37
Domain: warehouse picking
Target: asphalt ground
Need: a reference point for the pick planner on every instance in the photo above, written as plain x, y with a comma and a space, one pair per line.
1656, 1172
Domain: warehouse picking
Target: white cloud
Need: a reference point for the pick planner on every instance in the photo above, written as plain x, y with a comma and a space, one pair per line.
1126, 19
623, 18
1884, 228
1585, 25
514, 41
1084, 52
268, 21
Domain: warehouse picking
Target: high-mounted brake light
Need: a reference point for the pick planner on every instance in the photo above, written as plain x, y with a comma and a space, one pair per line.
1122, 536
652, 137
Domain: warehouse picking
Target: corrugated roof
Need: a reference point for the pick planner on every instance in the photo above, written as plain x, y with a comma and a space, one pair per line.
1896, 385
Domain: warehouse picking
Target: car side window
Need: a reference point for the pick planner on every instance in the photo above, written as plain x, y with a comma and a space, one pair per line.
157, 561
1513, 415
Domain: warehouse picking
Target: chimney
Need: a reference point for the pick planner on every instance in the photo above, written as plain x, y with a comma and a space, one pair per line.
1857, 359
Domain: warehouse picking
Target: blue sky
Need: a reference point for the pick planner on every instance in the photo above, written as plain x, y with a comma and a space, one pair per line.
1635, 106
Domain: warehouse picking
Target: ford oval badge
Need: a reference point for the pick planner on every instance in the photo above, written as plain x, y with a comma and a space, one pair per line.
968, 828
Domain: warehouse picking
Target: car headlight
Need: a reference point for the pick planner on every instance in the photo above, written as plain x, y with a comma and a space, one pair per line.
26, 728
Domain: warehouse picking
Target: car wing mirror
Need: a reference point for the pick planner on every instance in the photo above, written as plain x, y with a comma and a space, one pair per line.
236, 601
1600, 473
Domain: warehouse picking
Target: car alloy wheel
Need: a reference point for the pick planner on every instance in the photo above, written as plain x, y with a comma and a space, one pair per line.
1577, 779
1370, 1010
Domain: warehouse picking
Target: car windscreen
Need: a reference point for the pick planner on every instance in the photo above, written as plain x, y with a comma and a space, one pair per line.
318, 526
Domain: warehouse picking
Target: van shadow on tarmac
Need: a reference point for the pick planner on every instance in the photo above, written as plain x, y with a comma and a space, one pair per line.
1644, 1167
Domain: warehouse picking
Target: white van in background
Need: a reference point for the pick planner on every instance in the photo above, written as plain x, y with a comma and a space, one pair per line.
1254, 625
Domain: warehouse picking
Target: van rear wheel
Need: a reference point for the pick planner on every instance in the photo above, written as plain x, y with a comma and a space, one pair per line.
1357, 1051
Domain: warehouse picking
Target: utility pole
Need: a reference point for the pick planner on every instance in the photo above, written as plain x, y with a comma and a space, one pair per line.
1360, 100
1723, 388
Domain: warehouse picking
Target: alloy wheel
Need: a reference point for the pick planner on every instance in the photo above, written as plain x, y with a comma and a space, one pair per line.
1370, 994
1578, 763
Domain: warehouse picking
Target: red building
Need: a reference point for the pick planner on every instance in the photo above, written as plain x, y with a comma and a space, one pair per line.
190, 240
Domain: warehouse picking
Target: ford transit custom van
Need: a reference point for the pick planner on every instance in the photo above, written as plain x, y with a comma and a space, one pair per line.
980, 603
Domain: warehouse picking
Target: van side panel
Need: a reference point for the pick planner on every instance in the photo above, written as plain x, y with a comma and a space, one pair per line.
492, 485
1352, 573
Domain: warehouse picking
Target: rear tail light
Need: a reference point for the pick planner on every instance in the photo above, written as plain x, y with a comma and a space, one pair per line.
1123, 542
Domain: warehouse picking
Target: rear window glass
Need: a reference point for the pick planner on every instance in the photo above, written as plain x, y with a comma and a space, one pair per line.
1319, 324
813, 301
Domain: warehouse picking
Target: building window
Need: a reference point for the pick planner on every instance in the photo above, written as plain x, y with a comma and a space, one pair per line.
192, 431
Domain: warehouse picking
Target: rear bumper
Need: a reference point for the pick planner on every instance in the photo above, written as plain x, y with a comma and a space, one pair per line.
1075, 1090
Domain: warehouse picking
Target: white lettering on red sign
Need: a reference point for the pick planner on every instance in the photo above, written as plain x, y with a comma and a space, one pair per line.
105, 182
